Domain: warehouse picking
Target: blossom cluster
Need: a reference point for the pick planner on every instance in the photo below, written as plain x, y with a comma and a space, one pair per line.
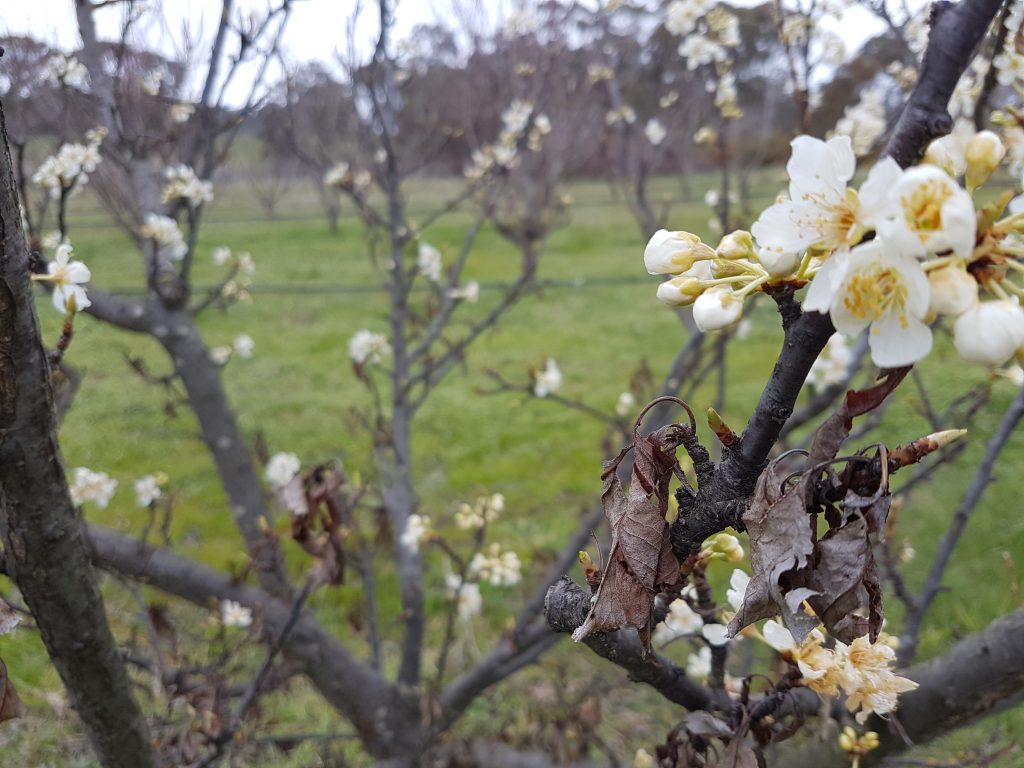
865, 121
98, 488
66, 70
368, 347
890, 257
148, 488
485, 510
500, 569
520, 120
243, 346
183, 184
166, 234
416, 531
467, 593
428, 262
281, 468
708, 33
68, 171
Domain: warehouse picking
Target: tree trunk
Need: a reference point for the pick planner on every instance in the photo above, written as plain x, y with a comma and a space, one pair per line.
42, 535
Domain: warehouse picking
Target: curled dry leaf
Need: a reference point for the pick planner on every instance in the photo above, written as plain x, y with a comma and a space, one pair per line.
10, 705
836, 575
640, 562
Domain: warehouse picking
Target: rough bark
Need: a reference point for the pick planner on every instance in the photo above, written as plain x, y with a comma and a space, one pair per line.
44, 550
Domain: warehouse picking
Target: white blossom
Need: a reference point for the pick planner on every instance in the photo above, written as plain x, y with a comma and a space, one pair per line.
244, 345
737, 588
67, 171
626, 404
67, 278
717, 308
680, 620
698, 665
672, 253
97, 487
221, 255
655, 131
470, 292
930, 213
428, 262
366, 346
952, 290
66, 70
281, 468
180, 113
220, 355
183, 184
417, 528
164, 231
500, 569
234, 614
548, 380
470, 603
338, 175
147, 489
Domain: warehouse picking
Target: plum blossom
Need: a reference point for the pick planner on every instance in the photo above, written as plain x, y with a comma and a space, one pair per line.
337, 176
147, 488
952, 290
183, 184
67, 278
97, 487
417, 528
681, 620
877, 287
281, 468
990, 332
673, 253
817, 664
626, 404
485, 510
164, 231
68, 171
470, 603
932, 214
655, 131
366, 346
428, 262
866, 679
737, 588
470, 292
234, 614
698, 665
500, 569
244, 345
548, 380
66, 70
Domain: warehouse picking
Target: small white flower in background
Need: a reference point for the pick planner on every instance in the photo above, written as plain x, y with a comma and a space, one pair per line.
832, 364
183, 184
180, 113
712, 198
66, 277
428, 262
499, 569
97, 487
949, 152
672, 253
66, 70
874, 286
655, 131
220, 355
931, 214
470, 292
626, 404
164, 231
244, 345
864, 122
366, 346
151, 82
234, 614
221, 255
990, 332
417, 528
717, 308
698, 666
744, 328
337, 175
470, 601
69, 169
281, 468
245, 263
485, 510
681, 620
147, 488
547, 381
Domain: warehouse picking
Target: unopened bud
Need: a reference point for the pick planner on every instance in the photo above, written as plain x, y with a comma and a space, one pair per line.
679, 291
848, 739
945, 437
984, 153
737, 245
717, 308
670, 253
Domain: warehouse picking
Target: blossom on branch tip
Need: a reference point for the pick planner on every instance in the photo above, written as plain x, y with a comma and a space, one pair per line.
428, 262
548, 380
281, 468
818, 665
500, 569
164, 231
183, 184
866, 679
67, 278
717, 308
470, 602
366, 346
670, 253
655, 131
234, 614
147, 488
931, 213
97, 487
626, 404
244, 345
680, 620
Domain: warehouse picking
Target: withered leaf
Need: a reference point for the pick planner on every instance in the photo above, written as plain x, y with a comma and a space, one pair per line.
10, 705
781, 543
640, 562
706, 725
738, 754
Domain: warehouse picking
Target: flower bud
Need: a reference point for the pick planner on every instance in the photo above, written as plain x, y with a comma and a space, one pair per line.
679, 291
848, 739
717, 308
989, 333
737, 245
722, 268
643, 759
952, 290
669, 253
984, 153
778, 263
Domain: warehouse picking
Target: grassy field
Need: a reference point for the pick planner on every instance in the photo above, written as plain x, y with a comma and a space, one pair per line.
299, 391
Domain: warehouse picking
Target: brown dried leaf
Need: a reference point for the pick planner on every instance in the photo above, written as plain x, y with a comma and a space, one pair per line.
640, 562
781, 543
707, 726
738, 754
10, 705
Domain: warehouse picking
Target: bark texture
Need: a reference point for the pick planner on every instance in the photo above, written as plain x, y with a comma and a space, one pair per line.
44, 549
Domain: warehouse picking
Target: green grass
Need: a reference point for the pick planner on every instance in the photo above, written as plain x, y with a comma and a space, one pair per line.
300, 392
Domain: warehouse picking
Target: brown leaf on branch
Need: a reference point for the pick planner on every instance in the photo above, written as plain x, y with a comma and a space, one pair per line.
9, 619
835, 575
10, 705
640, 563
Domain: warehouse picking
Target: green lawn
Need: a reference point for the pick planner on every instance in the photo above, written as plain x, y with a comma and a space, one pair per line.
300, 392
